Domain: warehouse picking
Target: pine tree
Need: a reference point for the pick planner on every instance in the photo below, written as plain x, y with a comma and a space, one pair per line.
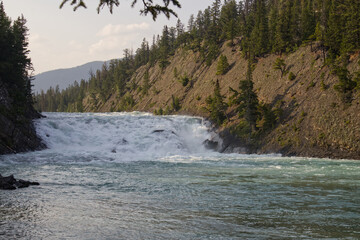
216, 105
5, 43
223, 65
259, 34
215, 22
351, 35
228, 20
246, 100
307, 20
279, 64
191, 23
146, 85
295, 23
165, 48
334, 33
282, 34
273, 19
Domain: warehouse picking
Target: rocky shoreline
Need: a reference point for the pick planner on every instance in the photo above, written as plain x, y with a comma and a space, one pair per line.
10, 183
226, 142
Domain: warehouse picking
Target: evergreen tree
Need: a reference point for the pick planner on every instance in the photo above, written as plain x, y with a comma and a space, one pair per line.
165, 48
228, 20
191, 23
246, 100
214, 30
216, 106
259, 34
146, 85
15, 65
346, 84
351, 35
273, 19
279, 64
295, 22
282, 31
223, 65
307, 19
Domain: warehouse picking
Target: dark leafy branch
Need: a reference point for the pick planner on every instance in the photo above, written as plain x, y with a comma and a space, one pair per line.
149, 6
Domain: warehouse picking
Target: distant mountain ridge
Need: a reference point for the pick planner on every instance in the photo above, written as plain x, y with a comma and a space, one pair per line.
64, 77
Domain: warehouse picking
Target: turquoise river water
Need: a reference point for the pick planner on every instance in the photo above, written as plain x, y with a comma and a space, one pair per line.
138, 176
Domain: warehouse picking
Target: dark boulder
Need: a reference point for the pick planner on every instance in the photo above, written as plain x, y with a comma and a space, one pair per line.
10, 183
161, 131
211, 144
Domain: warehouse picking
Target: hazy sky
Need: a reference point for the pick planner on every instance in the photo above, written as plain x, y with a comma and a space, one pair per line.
62, 38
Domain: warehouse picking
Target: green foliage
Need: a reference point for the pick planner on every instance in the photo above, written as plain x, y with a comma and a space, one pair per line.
346, 85
292, 76
216, 106
241, 129
311, 84
323, 86
246, 100
127, 102
15, 64
279, 64
223, 65
184, 80
146, 85
258, 117
175, 103
149, 6
267, 119
160, 111
176, 74
163, 63
212, 53
229, 21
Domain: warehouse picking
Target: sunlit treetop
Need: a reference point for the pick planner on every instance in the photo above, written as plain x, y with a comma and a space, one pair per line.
149, 6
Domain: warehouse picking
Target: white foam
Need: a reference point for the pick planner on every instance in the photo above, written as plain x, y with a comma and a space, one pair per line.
123, 136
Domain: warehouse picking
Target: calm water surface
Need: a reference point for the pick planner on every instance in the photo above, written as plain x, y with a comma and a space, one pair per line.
136, 176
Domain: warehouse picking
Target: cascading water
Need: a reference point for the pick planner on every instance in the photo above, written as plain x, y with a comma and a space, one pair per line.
123, 136
139, 176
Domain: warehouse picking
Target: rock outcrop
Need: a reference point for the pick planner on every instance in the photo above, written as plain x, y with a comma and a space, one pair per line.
17, 131
10, 183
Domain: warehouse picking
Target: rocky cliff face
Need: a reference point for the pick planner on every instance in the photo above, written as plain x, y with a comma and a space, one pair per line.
314, 122
17, 132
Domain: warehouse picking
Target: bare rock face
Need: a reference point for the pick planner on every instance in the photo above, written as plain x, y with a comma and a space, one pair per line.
10, 183
17, 131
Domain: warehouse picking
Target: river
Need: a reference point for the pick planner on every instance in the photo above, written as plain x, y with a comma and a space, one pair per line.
139, 176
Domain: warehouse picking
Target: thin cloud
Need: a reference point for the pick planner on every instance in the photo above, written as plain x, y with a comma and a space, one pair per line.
112, 44
37, 39
110, 29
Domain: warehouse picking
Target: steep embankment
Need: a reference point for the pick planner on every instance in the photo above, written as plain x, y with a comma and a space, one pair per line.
314, 122
17, 131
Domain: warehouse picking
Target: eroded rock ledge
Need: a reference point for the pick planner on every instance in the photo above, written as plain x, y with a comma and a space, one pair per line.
10, 183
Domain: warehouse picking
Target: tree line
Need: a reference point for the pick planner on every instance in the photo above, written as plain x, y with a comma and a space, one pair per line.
15, 65
258, 27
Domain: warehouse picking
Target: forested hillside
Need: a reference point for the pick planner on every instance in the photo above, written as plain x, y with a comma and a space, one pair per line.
64, 77
280, 76
16, 103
